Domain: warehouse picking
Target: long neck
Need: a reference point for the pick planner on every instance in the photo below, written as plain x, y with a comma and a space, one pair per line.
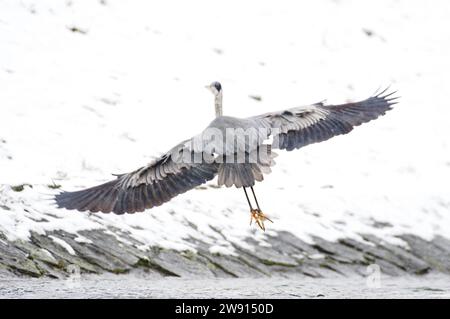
218, 104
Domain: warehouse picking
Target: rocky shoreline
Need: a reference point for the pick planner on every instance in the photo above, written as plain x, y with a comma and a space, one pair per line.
46, 255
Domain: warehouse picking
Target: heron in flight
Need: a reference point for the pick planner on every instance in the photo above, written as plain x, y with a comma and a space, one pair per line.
239, 160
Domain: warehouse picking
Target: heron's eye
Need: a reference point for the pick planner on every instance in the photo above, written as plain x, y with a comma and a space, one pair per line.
217, 86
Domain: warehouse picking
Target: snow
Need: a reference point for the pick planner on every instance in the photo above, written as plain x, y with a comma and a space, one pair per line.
49, 254
82, 239
64, 244
224, 249
78, 106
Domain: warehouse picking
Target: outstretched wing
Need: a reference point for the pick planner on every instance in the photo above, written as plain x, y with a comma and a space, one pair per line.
148, 186
296, 127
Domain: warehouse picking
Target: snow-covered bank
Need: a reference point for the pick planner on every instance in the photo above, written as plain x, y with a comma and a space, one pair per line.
93, 88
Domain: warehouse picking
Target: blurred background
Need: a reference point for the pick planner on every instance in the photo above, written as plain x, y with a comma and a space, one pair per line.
90, 88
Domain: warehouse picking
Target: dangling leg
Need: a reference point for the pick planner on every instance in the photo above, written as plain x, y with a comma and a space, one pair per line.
248, 200
256, 214
254, 196
249, 204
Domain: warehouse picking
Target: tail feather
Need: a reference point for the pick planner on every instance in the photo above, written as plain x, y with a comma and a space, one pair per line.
246, 174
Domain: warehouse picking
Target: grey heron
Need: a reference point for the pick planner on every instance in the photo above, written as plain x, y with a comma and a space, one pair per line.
238, 161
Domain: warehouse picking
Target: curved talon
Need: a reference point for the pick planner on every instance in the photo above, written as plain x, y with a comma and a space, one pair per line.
259, 217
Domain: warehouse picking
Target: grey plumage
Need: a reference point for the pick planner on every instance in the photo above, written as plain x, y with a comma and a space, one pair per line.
119, 196
167, 177
319, 122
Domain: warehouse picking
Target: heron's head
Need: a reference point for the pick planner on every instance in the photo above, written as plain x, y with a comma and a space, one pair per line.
215, 88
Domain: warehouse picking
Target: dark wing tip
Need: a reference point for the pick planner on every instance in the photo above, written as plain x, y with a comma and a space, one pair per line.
387, 96
66, 200
94, 199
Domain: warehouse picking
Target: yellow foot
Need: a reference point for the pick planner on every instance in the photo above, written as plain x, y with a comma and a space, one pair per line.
259, 217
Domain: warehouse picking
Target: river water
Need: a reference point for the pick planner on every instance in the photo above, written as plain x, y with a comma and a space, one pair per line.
141, 286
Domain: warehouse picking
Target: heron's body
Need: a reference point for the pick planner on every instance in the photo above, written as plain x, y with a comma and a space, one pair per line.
234, 149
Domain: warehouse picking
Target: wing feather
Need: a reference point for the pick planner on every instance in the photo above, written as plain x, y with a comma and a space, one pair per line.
144, 188
298, 127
